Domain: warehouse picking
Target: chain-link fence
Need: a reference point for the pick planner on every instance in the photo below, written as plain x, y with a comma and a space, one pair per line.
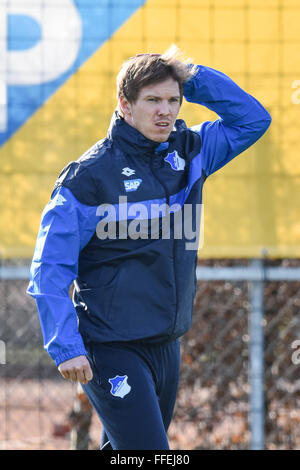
213, 405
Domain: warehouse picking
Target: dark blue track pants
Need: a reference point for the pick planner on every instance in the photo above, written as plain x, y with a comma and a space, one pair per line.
133, 390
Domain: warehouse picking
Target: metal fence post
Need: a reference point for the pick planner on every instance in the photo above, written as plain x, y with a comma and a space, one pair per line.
256, 370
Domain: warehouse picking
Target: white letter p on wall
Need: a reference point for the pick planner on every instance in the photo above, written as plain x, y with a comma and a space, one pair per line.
49, 58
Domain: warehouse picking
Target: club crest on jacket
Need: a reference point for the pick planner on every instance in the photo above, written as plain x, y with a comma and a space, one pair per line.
176, 162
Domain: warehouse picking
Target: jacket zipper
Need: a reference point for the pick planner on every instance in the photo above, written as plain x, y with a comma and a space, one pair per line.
174, 241
160, 181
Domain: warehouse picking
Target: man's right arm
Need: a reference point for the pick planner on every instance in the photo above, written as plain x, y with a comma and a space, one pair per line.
242, 119
66, 227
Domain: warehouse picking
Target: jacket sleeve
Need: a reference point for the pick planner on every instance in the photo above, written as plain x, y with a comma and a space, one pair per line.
66, 227
242, 119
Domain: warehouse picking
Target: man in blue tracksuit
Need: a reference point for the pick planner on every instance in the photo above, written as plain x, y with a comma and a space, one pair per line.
134, 286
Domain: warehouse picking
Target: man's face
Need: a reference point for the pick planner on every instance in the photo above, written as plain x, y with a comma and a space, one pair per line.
155, 110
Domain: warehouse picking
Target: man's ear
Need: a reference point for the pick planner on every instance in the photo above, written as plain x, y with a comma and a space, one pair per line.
125, 106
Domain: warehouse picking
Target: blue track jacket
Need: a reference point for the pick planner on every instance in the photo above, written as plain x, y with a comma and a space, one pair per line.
134, 288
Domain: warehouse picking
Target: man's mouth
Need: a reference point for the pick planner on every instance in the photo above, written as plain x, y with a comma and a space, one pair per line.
162, 124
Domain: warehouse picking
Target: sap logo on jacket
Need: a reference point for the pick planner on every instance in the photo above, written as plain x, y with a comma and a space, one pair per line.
132, 185
134, 289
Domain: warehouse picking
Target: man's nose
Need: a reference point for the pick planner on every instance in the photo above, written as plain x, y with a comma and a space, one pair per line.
164, 108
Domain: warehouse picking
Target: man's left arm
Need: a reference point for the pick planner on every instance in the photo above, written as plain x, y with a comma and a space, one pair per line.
242, 119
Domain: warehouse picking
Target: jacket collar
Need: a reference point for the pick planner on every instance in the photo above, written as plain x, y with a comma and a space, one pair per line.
132, 142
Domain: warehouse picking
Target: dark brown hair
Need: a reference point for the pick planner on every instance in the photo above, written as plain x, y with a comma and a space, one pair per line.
145, 69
